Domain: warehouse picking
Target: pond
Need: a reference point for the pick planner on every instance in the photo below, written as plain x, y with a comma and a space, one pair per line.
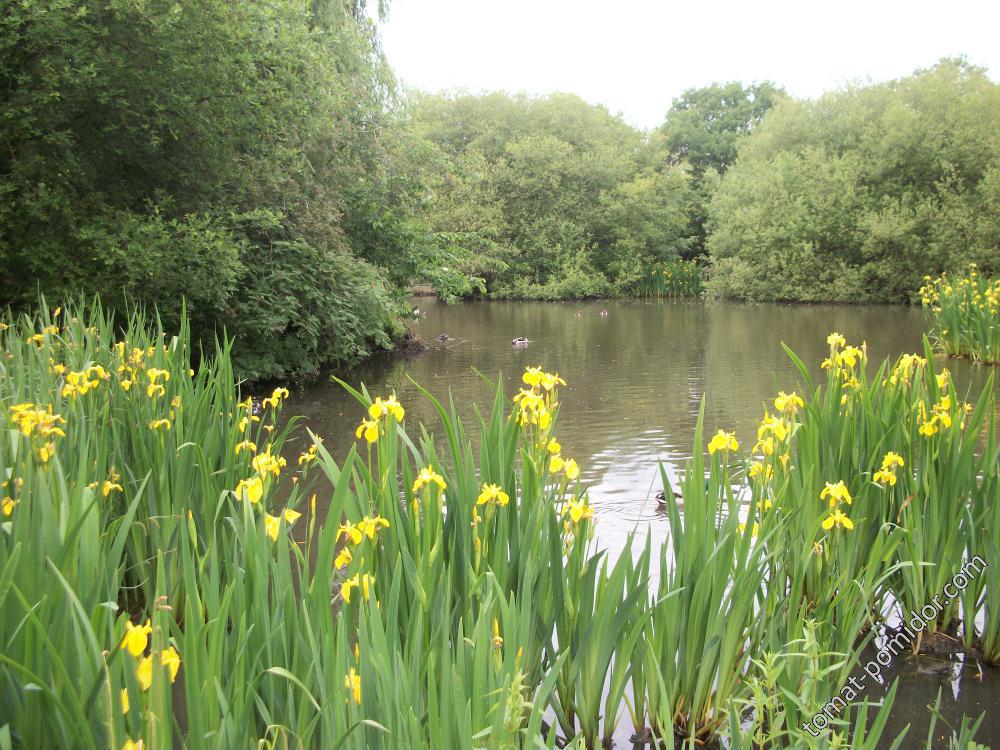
636, 379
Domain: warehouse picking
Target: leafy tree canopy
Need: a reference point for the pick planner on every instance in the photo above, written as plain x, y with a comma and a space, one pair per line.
552, 196
857, 195
158, 149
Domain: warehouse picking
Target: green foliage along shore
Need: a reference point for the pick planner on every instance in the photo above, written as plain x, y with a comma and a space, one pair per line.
243, 156
552, 197
856, 196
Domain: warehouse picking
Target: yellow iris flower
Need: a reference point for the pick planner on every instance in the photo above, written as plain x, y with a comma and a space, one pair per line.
272, 524
386, 407
427, 476
363, 582
370, 526
578, 510
344, 558
353, 534
250, 489
836, 493
246, 445
885, 477
275, 398
788, 403
723, 441
264, 463
837, 518
492, 494
368, 428
891, 460
136, 637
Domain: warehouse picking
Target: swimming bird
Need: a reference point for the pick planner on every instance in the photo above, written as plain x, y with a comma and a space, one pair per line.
444, 337
519, 341
661, 497
604, 312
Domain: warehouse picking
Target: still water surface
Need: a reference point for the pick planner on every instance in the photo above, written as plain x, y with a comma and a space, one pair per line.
636, 379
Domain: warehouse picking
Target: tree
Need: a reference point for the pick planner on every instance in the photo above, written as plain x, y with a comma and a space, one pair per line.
155, 150
857, 195
705, 125
703, 129
550, 197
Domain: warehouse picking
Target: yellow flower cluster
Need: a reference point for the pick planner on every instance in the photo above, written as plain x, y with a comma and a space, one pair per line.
41, 425
131, 363
272, 524
886, 476
537, 402
368, 527
836, 494
380, 410
558, 464
265, 465
969, 293
155, 387
134, 641
938, 419
906, 368
79, 383
843, 360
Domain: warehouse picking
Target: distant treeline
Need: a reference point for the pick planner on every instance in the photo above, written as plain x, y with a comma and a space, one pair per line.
256, 162
852, 197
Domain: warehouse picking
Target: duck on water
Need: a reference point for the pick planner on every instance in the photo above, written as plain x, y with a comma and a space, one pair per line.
661, 498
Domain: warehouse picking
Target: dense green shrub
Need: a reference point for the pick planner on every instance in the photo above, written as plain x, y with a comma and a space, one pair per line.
207, 150
550, 197
857, 195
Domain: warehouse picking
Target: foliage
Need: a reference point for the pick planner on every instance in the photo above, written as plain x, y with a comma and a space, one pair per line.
549, 197
672, 278
155, 150
964, 314
160, 556
703, 129
859, 194
705, 125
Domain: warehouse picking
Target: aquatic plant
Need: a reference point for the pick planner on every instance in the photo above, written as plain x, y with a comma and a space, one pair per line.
673, 277
964, 314
164, 552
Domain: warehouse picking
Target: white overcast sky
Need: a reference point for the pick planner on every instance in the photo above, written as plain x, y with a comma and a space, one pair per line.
635, 56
